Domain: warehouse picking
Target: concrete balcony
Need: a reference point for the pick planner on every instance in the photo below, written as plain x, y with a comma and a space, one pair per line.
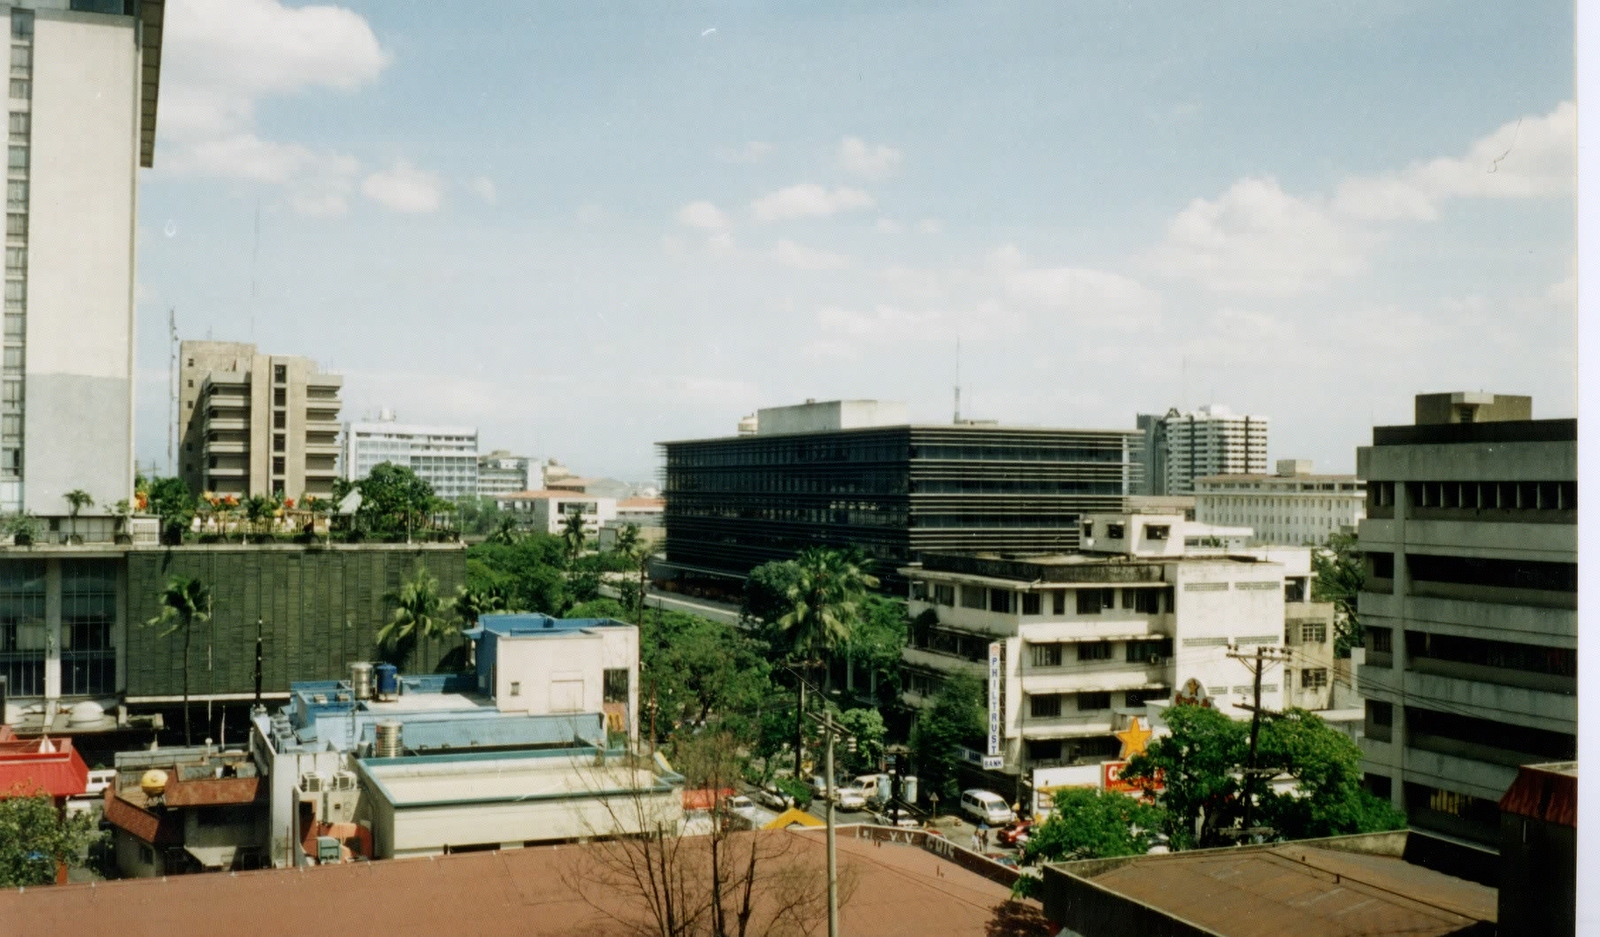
320, 425
227, 447
228, 471
324, 471
237, 399
1493, 621
1066, 726
1095, 676
1537, 709
1114, 625
322, 448
1454, 773
941, 662
228, 423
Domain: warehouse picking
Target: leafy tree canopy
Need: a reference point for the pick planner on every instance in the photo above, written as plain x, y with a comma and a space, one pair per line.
866, 726
34, 837
1088, 823
394, 500
170, 500
1339, 571
955, 718
531, 572
700, 672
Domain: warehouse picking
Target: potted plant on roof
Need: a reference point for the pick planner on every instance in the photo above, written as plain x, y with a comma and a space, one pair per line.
23, 527
77, 500
122, 510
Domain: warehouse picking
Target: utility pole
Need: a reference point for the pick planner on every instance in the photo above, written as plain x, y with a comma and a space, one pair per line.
1257, 662
830, 729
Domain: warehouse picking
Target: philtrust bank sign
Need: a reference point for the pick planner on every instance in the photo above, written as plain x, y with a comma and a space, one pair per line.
993, 758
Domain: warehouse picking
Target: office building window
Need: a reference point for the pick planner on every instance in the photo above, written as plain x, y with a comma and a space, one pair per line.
1058, 602
279, 443
1313, 678
1091, 601
1090, 702
17, 193
14, 326
1044, 707
18, 158
21, 24
973, 596
1030, 603
277, 465
280, 373
21, 65
10, 427
280, 397
1094, 650
88, 616
22, 625
280, 420
13, 358
1046, 655
21, 90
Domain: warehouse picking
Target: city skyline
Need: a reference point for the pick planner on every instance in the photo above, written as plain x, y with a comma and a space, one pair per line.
588, 232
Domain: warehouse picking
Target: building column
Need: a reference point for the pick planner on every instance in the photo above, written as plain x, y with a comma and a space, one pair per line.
52, 633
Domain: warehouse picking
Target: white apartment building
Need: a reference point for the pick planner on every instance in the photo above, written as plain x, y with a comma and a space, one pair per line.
1213, 440
547, 511
1079, 644
446, 457
82, 113
1294, 506
1470, 607
501, 473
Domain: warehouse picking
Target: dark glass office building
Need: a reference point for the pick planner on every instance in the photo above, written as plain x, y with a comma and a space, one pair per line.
896, 491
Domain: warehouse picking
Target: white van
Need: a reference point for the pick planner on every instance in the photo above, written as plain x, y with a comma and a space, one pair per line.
986, 807
875, 787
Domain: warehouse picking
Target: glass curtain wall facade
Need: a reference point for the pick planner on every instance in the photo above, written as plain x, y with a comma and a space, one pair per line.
737, 502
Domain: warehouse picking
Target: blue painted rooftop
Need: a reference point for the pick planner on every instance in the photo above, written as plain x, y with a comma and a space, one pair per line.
520, 624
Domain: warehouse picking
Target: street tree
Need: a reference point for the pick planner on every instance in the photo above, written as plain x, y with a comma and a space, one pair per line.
37, 840
1088, 823
866, 727
421, 616
1339, 571
184, 600
699, 673
953, 720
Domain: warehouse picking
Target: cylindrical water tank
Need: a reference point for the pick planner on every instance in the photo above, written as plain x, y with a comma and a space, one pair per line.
153, 782
388, 680
361, 680
388, 739
908, 788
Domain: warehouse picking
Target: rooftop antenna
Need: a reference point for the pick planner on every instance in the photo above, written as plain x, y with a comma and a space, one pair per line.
957, 419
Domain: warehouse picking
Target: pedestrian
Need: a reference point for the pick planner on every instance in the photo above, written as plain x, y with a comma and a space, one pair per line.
977, 844
983, 837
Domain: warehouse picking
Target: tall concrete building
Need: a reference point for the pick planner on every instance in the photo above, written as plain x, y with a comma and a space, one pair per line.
1470, 606
445, 457
256, 424
82, 112
501, 473
843, 473
1294, 506
1213, 440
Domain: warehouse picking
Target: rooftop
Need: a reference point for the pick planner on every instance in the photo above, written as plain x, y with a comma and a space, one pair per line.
528, 624
41, 765
545, 494
1456, 433
896, 891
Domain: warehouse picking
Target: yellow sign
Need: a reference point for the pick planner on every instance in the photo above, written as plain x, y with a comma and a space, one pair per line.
1134, 739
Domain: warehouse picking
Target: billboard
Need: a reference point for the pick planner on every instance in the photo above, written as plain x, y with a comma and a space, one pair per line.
994, 698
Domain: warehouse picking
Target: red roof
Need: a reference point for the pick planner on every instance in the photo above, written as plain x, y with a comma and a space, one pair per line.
34, 766
636, 503
705, 798
1545, 792
542, 495
208, 791
165, 829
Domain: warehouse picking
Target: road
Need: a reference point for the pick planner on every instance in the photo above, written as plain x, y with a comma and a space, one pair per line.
716, 611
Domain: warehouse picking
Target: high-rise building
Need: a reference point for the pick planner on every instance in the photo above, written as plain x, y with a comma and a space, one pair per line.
1213, 440
844, 473
82, 115
445, 457
256, 424
1293, 506
501, 473
1469, 607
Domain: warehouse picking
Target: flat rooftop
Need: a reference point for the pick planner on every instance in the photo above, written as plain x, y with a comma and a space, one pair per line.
435, 780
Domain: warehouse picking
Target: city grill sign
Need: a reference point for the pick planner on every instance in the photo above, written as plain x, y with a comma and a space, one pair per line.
994, 698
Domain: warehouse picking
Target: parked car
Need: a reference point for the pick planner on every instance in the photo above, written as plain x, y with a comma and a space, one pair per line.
1014, 835
986, 807
849, 797
738, 803
773, 798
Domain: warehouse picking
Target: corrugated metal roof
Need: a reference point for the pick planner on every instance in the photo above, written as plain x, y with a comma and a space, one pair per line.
1545, 792
34, 766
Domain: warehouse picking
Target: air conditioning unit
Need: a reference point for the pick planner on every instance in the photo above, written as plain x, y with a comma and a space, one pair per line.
344, 781
312, 782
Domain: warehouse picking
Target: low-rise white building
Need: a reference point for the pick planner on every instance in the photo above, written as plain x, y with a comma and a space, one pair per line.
1074, 646
547, 511
445, 457
1294, 506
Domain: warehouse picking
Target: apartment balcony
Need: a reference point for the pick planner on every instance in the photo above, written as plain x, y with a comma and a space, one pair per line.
322, 448
1066, 726
1457, 773
1495, 621
238, 424
1095, 676
228, 471
1464, 692
942, 662
226, 447
322, 471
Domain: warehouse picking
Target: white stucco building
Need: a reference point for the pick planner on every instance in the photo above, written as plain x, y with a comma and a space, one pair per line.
1212, 440
446, 457
1293, 506
1081, 643
501, 473
1470, 606
547, 511
82, 115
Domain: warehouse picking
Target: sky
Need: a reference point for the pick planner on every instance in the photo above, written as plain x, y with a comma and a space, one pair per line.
586, 228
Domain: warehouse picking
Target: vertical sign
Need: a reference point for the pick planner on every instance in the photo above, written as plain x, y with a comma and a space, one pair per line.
994, 698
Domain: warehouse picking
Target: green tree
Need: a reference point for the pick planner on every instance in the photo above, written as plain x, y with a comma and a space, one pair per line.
36, 839
954, 719
875, 644
172, 502
699, 673
1200, 768
823, 603
766, 592
867, 728
531, 571
77, 500
184, 600
1088, 823
394, 501
572, 533
258, 511
1339, 572
421, 616
505, 532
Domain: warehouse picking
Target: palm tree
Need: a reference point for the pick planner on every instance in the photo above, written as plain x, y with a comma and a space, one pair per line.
421, 614
822, 598
257, 509
627, 540
184, 601
77, 500
572, 532
505, 532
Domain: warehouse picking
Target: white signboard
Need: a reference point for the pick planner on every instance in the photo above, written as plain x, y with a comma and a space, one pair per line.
993, 762
994, 698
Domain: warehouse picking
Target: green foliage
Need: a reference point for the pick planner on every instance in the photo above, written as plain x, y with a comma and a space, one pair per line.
572, 533
35, 836
795, 788
823, 601
955, 718
875, 644
1339, 571
869, 731
479, 516
699, 673
394, 500
627, 543
171, 501
1088, 823
765, 591
473, 602
600, 608
531, 572
421, 615
184, 601
1201, 762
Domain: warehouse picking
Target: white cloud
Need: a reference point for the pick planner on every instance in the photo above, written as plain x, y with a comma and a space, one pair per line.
858, 157
790, 254
808, 200
1256, 238
484, 188
752, 152
404, 188
930, 226
703, 214
220, 57
889, 226
1527, 158
1081, 290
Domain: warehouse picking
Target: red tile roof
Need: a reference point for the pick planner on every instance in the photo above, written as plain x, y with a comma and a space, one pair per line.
209, 791
49, 766
157, 829
891, 890
1545, 792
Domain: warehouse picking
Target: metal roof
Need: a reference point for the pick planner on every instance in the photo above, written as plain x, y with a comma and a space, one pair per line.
506, 731
1546, 792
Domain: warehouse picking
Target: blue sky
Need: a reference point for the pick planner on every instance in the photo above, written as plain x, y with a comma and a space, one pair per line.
588, 227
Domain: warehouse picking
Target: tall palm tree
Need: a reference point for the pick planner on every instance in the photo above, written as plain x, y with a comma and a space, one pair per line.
184, 601
505, 532
823, 599
421, 614
572, 532
77, 500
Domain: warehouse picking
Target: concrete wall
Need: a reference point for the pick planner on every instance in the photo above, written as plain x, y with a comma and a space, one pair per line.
830, 415
320, 608
78, 425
